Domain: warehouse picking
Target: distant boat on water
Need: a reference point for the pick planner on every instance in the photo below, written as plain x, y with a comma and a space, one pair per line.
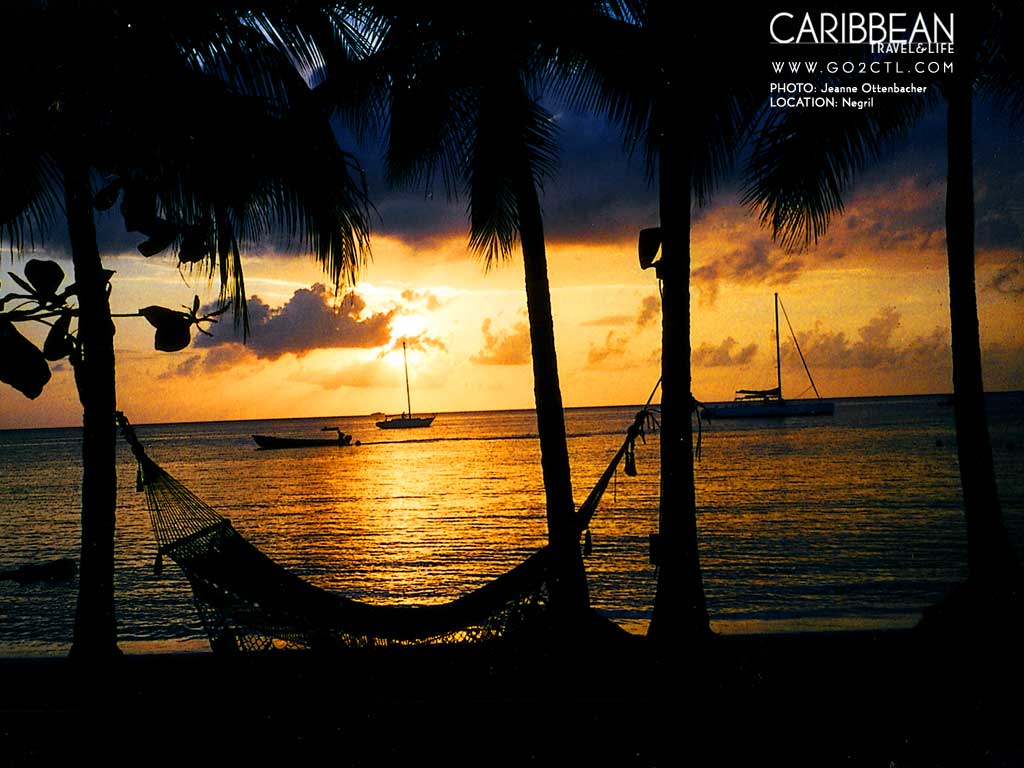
769, 403
406, 420
268, 442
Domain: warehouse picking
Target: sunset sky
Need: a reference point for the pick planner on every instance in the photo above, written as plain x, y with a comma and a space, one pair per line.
869, 303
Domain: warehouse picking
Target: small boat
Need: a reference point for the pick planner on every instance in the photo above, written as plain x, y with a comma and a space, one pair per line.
769, 403
343, 440
406, 420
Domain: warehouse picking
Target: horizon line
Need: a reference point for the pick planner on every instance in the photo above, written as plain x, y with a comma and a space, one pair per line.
488, 410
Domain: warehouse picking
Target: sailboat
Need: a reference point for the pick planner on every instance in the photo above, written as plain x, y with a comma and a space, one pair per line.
406, 420
769, 403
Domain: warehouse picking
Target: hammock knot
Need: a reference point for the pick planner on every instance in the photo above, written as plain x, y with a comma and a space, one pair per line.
630, 459
695, 408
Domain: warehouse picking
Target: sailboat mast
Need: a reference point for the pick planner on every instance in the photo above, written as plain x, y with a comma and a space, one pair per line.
796, 343
778, 356
405, 360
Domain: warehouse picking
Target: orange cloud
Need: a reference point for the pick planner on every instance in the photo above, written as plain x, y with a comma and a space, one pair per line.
614, 348
874, 349
430, 301
709, 356
308, 321
505, 347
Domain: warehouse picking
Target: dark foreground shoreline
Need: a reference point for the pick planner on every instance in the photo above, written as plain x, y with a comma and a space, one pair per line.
891, 698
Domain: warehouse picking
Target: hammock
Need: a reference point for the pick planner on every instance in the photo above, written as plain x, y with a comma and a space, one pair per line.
248, 603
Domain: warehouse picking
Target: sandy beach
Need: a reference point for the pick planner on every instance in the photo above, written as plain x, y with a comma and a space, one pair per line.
875, 698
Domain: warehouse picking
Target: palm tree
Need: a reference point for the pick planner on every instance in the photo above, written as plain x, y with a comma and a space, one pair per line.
797, 198
198, 119
647, 69
457, 93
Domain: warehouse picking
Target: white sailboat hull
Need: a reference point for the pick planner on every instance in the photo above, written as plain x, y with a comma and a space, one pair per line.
745, 409
405, 422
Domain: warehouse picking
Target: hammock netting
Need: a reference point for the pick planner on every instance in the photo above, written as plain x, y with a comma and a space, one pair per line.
250, 604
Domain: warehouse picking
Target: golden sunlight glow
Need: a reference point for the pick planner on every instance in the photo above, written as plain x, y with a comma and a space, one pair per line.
869, 305
409, 326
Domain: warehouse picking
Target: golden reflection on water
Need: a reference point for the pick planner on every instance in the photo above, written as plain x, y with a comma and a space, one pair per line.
847, 522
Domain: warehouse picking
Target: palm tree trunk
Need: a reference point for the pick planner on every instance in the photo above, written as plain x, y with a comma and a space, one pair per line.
990, 557
680, 609
569, 589
95, 633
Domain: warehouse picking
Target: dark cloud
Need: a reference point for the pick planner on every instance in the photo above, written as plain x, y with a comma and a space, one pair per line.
998, 230
1004, 366
875, 348
424, 221
505, 347
421, 342
756, 262
598, 194
111, 236
213, 360
613, 348
999, 180
649, 310
1010, 279
309, 320
921, 154
709, 356
190, 367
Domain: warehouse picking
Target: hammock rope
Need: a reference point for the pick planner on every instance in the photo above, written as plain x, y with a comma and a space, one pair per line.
250, 604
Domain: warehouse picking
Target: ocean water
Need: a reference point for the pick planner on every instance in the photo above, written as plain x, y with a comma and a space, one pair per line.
850, 521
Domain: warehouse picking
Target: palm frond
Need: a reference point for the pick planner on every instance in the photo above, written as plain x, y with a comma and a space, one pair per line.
1001, 69
632, 63
603, 67
514, 146
804, 162
31, 192
207, 110
429, 127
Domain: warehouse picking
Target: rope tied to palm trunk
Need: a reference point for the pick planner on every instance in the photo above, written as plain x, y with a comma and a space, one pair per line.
248, 603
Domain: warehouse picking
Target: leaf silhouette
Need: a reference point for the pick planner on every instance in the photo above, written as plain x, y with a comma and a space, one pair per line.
58, 342
194, 247
44, 276
173, 329
21, 364
173, 338
161, 234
